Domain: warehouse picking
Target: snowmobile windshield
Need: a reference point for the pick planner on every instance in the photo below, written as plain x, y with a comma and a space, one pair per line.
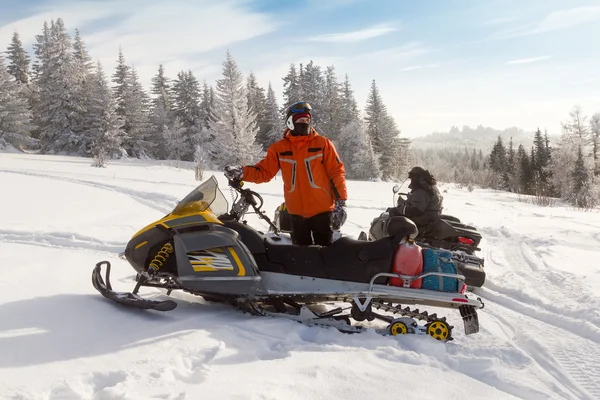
206, 197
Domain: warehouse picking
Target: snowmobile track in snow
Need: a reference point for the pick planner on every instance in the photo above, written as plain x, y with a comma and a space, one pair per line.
65, 240
562, 340
156, 201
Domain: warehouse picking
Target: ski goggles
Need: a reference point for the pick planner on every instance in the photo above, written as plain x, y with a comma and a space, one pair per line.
301, 107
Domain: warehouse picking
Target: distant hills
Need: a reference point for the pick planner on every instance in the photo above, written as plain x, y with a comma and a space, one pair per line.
479, 138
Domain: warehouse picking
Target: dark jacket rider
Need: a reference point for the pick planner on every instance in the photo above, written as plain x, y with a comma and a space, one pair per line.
424, 203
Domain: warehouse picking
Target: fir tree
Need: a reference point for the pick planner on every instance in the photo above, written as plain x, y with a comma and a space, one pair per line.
55, 79
15, 116
331, 122
525, 171
186, 93
348, 107
291, 88
311, 89
382, 129
232, 124
121, 78
274, 120
103, 123
595, 132
136, 117
84, 90
258, 104
580, 174
161, 111
18, 60
357, 153
206, 104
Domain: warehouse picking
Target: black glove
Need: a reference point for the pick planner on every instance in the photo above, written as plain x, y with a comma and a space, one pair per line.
234, 172
338, 215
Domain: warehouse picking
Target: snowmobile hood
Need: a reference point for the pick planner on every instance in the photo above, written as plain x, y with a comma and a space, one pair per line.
202, 204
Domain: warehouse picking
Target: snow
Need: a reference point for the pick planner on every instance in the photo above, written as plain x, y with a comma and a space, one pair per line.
60, 339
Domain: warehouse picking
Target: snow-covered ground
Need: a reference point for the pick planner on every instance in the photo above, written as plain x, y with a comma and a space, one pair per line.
60, 339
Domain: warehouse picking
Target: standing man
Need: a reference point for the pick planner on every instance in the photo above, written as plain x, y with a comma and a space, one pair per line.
313, 175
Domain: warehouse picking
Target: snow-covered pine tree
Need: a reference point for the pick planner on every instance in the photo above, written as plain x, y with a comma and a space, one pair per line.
348, 106
575, 136
161, 113
15, 116
18, 60
524, 170
540, 168
292, 89
585, 193
510, 175
84, 90
403, 159
356, 152
258, 104
136, 103
382, 129
55, 78
206, 103
394, 160
331, 117
274, 119
176, 146
595, 133
102, 121
312, 86
40, 48
186, 94
232, 124
120, 78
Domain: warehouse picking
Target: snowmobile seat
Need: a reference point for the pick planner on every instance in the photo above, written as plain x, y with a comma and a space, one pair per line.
401, 226
345, 259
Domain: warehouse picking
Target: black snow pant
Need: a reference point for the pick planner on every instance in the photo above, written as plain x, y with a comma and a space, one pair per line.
313, 230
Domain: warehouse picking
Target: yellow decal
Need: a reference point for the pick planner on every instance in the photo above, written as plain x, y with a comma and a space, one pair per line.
210, 260
141, 244
242, 270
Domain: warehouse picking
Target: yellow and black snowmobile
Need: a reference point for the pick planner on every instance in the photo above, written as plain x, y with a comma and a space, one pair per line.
205, 248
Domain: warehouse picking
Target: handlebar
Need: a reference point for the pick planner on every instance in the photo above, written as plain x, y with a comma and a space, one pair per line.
248, 197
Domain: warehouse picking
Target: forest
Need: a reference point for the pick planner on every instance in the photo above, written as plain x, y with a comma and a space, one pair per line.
59, 101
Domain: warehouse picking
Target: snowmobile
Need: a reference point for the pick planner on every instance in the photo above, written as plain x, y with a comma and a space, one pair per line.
204, 248
446, 232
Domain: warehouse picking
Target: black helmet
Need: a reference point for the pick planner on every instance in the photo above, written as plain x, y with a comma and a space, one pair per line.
416, 172
301, 107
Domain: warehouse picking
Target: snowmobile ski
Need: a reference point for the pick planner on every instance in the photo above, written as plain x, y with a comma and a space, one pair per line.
128, 299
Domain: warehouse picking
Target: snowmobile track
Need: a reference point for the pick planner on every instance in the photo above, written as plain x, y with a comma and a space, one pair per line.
63, 240
156, 201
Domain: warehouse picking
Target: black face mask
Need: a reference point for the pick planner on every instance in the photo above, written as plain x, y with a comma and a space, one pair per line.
300, 129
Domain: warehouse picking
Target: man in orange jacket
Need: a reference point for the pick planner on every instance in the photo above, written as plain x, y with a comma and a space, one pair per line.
313, 175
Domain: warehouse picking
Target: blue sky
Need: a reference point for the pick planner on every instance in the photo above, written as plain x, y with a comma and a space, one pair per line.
437, 63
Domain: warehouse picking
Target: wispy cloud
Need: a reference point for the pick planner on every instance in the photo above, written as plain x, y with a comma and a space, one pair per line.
528, 60
355, 36
152, 31
556, 20
408, 50
414, 67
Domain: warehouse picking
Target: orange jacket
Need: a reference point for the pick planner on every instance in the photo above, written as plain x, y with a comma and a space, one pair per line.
313, 174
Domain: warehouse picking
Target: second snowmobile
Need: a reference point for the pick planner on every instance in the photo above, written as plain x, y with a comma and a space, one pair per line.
205, 249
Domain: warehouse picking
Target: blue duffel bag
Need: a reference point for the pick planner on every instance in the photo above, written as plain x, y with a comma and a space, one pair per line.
437, 260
